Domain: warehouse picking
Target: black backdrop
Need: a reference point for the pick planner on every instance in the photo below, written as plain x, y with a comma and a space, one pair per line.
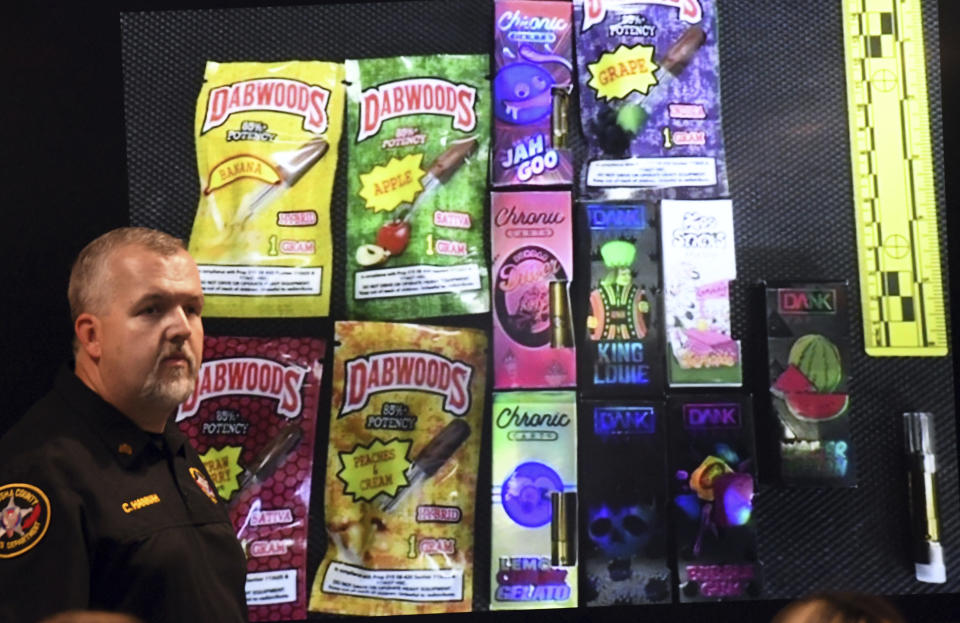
64, 168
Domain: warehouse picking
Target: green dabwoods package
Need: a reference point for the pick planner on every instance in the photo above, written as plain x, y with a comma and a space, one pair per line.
809, 361
623, 502
623, 342
713, 470
419, 132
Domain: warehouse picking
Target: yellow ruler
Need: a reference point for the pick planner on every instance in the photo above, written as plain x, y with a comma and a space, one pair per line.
901, 287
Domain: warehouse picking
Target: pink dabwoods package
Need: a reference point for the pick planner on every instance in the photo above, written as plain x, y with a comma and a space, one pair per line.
252, 419
533, 60
532, 268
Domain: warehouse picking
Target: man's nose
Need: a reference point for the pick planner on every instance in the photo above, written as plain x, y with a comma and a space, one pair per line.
179, 328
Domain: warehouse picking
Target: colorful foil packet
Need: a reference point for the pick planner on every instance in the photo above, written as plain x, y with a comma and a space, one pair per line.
405, 428
252, 418
650, 99
533, 537
533, 61
808, 352
714, 473
699, 262
623, 325
623, 502
533, 343
419, 132
267, 136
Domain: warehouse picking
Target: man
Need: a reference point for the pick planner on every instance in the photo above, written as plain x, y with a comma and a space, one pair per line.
104, 505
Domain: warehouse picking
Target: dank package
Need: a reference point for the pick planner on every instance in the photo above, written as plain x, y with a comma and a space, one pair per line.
808, 354
623, 502
267, 136
713, 473
533, 61
252, 419
534, 534
419, 133
533, 343
405, 426
623, 328
650, 99
699, 262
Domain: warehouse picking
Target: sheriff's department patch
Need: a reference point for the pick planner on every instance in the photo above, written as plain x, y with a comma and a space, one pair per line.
204, 484
24, 518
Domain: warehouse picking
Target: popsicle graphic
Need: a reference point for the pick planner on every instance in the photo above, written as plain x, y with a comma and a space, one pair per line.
394, 236
430, 459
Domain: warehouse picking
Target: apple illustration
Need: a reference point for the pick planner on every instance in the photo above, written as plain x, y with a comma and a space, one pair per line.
394, 236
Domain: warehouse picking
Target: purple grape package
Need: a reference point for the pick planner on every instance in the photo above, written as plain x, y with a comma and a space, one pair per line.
650, 99
533, 61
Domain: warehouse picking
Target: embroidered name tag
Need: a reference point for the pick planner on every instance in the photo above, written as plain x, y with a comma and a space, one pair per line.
142, 502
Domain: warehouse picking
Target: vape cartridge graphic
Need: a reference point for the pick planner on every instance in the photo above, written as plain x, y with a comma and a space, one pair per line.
291, 166
430, 459
394, 235
270, 457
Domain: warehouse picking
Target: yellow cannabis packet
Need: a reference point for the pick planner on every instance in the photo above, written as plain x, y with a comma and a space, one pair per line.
406, 425
267, 136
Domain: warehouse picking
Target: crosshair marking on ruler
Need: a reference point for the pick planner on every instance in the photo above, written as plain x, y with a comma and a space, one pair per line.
896, 246
884, 80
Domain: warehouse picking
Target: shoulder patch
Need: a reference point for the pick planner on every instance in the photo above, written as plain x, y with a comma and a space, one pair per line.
204, 484
24, 518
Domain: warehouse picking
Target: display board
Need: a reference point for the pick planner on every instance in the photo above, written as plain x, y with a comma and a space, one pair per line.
785, 125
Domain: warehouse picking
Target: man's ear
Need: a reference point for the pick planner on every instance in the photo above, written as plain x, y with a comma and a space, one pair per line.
87, 329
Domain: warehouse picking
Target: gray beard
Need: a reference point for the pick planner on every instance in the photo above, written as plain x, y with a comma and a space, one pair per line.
168, 392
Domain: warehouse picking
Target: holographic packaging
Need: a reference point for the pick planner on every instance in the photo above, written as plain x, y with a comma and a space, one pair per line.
623, 502
405, 428
650, 99
533, 343
267, 136
623, 326
252, 419
713, 478
699, 261
418, 130
533, 535
808, 354
533, 61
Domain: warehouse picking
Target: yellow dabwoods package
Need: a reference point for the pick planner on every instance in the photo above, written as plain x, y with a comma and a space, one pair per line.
406, 423
267, 136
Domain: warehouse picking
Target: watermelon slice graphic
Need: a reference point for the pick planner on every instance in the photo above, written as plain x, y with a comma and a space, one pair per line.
792, 380
813, 406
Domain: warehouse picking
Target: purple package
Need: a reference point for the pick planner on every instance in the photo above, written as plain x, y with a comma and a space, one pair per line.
650, 99
533, 61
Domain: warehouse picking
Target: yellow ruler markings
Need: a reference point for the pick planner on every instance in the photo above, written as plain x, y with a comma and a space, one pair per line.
898, 248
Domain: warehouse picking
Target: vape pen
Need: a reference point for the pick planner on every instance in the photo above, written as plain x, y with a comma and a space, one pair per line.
561, 329
430, 459
271, 457
922, 487
563, 529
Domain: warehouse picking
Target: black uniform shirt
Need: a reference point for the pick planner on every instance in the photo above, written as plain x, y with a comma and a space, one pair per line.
97, 514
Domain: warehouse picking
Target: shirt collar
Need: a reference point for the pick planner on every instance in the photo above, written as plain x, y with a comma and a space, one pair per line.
125, 441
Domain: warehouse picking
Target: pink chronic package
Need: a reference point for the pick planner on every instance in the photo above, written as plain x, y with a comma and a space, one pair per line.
252, 419
532, 268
